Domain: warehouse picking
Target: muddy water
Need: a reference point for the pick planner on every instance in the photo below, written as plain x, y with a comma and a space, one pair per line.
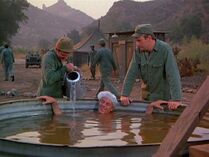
87, 128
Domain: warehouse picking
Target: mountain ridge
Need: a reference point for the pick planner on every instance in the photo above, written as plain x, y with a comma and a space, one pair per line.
124, 15
45, 26
164, 15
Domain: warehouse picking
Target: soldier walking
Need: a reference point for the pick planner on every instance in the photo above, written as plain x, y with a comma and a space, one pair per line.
7, 60
107, 64
90, 61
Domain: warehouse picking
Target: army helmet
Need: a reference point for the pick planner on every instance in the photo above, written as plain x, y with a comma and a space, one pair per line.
64, 44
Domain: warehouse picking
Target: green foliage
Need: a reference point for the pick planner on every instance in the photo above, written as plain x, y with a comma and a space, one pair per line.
194, 50
45, 44
123, 26
11, 13
189, 26
205, 5
21, 50
74, 35
89, 30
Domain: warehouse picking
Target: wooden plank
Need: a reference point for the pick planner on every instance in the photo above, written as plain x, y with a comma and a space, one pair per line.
206, 116
199, 151
185, 124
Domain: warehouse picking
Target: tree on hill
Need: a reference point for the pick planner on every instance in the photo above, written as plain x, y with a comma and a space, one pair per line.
74, 35
188, 27
11, 13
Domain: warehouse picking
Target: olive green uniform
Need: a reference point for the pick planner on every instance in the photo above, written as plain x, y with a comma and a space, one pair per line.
90, 61
107, 64
158, 71
1, 48
52, 75
7, 60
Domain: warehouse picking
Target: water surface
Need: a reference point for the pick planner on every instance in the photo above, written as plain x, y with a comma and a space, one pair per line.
87, 128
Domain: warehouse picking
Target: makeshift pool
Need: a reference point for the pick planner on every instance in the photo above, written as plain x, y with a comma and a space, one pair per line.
28, 128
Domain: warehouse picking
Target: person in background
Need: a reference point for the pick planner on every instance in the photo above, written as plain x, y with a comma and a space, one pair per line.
104, 58
53, 68
90, 61
7, 61
107, 102
155, 63
1, 48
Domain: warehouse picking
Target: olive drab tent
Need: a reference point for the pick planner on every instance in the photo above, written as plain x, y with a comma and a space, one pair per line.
82, 49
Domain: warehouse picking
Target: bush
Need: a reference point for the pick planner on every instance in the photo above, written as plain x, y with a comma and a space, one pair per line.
20, 52
197, 52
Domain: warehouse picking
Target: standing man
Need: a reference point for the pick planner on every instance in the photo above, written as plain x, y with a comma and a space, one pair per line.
104, 58
53, 69
1, 48
90, 61
7, 60
155, 63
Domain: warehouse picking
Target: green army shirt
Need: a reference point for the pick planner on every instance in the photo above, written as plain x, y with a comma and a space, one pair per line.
159, 72
7, 56
1, 48
52, 75
91, 56
106, 61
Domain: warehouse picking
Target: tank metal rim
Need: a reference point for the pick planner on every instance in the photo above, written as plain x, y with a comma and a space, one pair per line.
25, 148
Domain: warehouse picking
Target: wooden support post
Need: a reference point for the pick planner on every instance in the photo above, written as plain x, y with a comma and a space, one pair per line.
185, 124
122, 66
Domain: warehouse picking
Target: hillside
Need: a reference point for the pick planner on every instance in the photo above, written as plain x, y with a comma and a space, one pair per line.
62, 9
174, 16
46, 26
164, 15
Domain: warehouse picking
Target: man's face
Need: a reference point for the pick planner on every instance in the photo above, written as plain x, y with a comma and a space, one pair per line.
105, 105
62, 55
143, 43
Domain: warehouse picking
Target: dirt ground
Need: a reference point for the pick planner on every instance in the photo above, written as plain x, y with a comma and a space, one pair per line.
27, 81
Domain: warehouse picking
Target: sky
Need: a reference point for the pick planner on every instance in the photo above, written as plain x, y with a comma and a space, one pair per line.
93, 8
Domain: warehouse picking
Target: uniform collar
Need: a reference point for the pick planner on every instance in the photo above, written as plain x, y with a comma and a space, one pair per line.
157, 46
55, 53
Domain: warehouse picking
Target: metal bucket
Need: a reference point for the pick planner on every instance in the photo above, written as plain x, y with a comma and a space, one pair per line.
73, 85
24, 108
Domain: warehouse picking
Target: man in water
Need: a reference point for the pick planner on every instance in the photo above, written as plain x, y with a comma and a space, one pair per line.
107, 102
